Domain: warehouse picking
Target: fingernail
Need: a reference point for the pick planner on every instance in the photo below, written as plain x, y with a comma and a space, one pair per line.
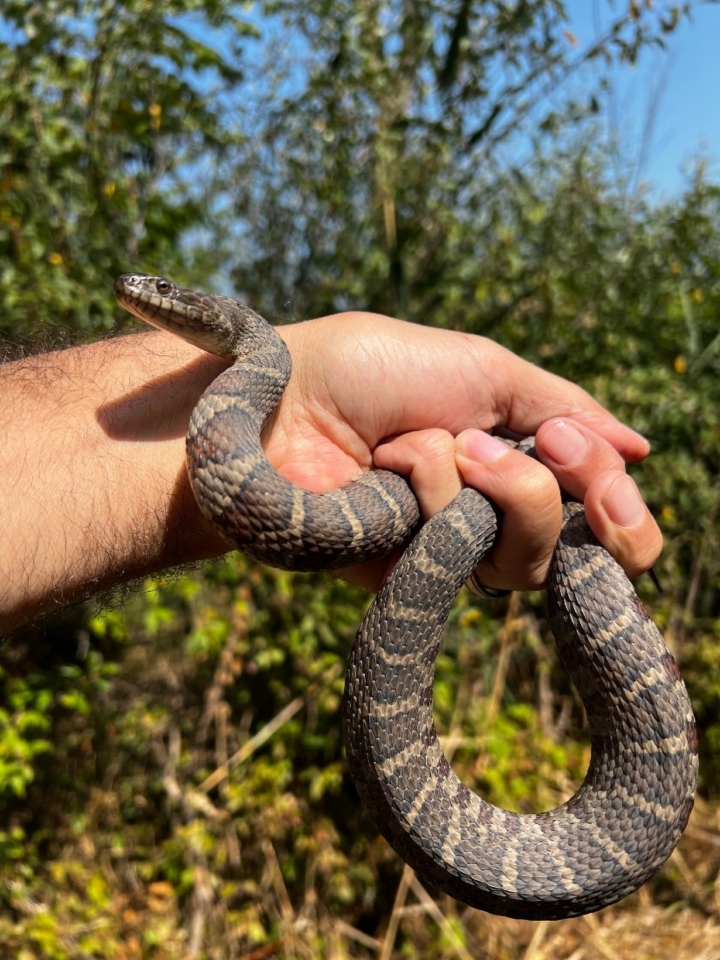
480, 446
638, 436
623, 503
565, 444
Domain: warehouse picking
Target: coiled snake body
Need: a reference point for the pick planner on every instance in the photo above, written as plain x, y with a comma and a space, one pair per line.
625, 819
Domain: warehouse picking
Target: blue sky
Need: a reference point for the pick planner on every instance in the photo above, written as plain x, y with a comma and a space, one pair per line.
684, 83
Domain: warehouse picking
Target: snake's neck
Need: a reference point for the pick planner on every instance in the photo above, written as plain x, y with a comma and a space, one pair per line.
244, 334
253, 385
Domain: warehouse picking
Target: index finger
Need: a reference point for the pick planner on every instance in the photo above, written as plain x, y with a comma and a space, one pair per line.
526, 396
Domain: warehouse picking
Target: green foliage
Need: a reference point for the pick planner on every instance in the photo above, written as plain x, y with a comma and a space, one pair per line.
107, 112
410, 103
22, 724
174, 137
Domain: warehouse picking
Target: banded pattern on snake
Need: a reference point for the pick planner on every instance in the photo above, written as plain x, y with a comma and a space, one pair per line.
626, 818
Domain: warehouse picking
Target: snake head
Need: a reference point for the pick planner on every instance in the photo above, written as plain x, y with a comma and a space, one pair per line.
215, 324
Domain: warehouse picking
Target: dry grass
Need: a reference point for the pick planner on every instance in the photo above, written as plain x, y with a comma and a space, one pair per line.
675, 918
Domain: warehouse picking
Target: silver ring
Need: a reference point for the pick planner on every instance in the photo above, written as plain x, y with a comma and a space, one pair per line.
480, 590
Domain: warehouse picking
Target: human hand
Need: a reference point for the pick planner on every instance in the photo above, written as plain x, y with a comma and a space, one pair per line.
95, 490
370, 390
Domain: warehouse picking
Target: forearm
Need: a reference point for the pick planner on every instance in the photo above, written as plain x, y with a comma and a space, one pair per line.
93, 488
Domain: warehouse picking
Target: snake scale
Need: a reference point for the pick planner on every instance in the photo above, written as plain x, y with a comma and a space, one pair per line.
625, 819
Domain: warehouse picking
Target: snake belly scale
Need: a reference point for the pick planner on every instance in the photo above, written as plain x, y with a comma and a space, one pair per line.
628, 815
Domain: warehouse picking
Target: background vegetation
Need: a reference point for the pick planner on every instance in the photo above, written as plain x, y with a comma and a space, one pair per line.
172, 781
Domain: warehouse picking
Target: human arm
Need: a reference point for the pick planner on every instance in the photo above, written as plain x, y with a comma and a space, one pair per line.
92, 484
93, 490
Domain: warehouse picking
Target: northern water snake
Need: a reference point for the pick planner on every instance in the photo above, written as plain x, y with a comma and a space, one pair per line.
626, 818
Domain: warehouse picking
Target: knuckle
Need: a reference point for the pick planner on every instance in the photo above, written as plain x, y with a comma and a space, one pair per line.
536, 487
436, 446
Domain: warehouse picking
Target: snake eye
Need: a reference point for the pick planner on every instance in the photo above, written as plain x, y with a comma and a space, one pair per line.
162, 286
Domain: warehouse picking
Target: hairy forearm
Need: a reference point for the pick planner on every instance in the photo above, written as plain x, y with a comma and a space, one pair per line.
93, 490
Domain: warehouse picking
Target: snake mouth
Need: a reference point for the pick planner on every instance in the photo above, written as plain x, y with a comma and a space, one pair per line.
150, 299
166, 306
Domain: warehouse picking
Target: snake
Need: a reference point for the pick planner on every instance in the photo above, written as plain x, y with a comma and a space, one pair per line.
628, 815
